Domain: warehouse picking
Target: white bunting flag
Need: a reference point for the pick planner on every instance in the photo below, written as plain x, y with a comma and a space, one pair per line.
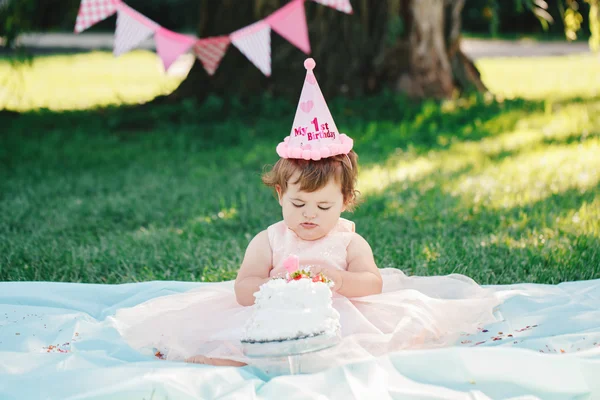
132, 29
254, 41
340, 5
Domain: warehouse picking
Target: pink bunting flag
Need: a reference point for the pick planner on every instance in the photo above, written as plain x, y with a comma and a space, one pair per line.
290, 22
93, 11
132, 29
340, 5
210, 51
170, 45
254, 41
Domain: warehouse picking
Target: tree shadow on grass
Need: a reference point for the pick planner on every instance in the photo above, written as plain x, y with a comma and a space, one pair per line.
378, 124
169, 139
423, 230
428, 125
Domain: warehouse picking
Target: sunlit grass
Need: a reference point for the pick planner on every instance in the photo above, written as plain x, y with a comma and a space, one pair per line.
532, 176
524, 202
503, 191
549, 78
409, 168
519, 161
83, 81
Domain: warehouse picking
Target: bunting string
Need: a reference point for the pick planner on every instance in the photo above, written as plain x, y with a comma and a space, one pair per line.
253, 41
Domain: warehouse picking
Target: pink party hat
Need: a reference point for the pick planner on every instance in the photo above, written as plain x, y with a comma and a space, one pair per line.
314, 134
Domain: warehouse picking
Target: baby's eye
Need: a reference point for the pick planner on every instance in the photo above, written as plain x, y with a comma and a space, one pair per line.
324, 208
298, 205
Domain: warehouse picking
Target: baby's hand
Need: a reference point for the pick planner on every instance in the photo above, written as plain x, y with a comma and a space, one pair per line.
333, 274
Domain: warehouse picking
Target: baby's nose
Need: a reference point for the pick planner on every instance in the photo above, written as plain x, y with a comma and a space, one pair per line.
310, 214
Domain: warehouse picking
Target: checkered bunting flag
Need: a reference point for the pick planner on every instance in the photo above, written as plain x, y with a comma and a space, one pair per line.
340, 5
93, 11
210, 51
254, 41
132, 29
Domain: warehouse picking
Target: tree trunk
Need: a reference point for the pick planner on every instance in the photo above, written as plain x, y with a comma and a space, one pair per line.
410, 46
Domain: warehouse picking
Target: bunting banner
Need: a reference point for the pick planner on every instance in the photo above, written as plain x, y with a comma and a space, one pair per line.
170, 45
340, 5
132, 29
290, 22
210, 51
254, 41
93, 11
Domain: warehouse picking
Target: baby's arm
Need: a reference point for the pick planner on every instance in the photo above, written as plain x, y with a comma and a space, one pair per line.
254, 270
362, 278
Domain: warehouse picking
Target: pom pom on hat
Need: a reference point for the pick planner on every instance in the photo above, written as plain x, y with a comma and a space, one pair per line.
309, 64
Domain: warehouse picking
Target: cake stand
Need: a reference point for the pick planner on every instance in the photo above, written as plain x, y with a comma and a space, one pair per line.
292, 349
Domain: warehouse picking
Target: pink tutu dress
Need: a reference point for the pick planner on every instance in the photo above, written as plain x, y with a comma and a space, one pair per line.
410, 313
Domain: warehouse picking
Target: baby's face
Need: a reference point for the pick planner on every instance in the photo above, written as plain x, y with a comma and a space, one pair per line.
311, 215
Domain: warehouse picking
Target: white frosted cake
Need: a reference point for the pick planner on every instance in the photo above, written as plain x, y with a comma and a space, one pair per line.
295, 308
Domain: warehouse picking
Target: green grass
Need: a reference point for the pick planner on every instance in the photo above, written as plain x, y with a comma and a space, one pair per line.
503, 190
582, 36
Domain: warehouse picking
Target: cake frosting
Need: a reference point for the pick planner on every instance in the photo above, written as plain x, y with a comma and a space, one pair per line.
294, 308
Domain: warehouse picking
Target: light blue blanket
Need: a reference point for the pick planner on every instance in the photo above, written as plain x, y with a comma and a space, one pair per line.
55, 343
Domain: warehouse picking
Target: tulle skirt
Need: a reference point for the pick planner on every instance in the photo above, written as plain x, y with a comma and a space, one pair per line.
410, 313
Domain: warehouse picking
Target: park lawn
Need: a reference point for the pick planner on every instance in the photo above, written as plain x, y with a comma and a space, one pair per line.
502, 188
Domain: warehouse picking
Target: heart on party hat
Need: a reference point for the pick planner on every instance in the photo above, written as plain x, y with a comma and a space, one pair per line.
314, 134
307, 106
